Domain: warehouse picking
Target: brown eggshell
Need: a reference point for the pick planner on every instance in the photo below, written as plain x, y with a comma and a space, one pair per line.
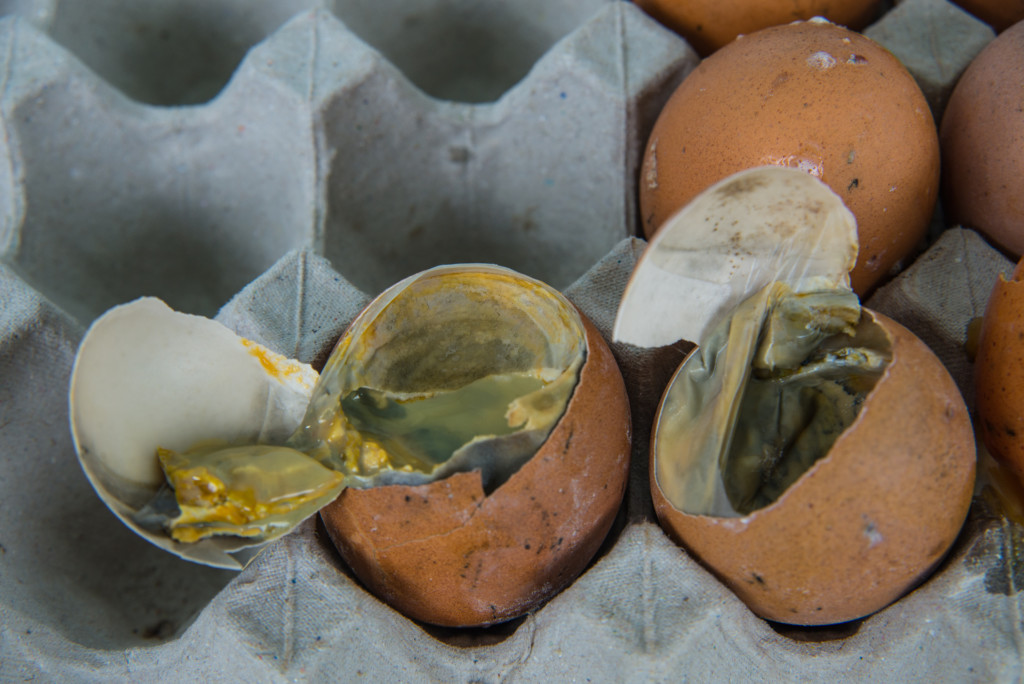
999, 14
983, 144
869, 520
999, 373
709, 24
447, 554
809, 95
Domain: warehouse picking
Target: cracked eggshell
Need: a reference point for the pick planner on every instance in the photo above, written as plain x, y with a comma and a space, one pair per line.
999, 373
146, 376
879, 510
869, 520
812, 96
754, 227
447, 554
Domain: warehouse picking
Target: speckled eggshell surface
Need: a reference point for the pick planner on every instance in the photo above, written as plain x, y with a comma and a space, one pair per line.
999, 373
982, 137
709, 24
869, 520
813, 96
447, 554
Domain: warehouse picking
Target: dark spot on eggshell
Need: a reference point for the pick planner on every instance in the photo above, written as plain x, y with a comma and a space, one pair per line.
780, 79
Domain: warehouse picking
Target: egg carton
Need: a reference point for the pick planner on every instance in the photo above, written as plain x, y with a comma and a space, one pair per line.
319, 141
322, 170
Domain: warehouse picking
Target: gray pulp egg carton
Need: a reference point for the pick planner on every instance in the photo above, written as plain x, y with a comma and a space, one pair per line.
346, 145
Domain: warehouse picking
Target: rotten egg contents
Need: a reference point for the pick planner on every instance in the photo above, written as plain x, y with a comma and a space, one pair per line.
452, 375
246, 491
483, 429
762, 399
479, 392
814, 455
151, 384
209, 445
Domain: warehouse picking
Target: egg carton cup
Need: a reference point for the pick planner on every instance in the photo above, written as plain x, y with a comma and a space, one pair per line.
320, 173
935, 40
318, 141
75, 579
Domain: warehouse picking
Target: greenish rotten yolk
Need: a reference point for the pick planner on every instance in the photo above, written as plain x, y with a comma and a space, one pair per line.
425, 431
250, 490
472, 372
763, 398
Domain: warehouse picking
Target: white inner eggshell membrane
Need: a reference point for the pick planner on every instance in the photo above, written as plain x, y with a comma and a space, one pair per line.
753, 228
147, 376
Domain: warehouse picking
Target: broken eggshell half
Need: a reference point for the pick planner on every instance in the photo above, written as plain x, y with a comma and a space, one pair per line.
146, 378
510, 519
816, 456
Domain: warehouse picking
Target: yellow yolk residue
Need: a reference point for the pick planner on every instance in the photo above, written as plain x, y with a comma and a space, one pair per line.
244, 491
277, 366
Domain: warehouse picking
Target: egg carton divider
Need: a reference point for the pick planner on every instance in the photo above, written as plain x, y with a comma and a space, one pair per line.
643, 610
111, 199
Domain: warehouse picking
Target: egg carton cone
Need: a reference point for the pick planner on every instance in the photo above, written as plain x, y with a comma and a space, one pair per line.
319, 141
76, 582
341, 150
935, 40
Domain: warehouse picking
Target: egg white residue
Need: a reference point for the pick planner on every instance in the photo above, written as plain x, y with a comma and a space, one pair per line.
874, 537
651, 177
792, 161
821, 60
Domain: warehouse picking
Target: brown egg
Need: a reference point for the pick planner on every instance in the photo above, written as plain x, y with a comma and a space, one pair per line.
709, 24
983, 144
813, 96
999, 373
999, 14
447, 552
869, 520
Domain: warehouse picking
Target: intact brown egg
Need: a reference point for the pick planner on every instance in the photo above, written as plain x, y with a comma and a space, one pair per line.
709, 24
812, 96
999, 14
868, 520
999, 373
983, 144
474, 547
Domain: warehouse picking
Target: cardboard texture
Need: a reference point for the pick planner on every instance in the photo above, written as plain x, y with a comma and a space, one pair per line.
282, 205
